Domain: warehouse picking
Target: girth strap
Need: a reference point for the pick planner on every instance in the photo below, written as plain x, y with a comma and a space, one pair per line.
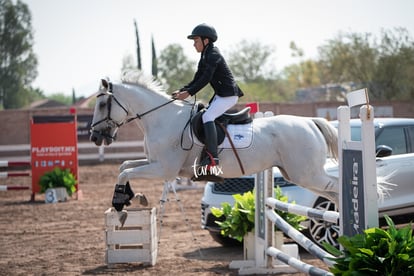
232, 147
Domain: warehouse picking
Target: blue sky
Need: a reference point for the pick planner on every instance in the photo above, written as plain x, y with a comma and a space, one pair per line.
80, 41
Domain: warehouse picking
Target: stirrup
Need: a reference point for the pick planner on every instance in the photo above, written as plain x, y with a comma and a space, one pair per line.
209, 160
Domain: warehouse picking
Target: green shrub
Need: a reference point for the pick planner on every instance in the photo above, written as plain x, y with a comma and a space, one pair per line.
58, 178
375, 252
239, 218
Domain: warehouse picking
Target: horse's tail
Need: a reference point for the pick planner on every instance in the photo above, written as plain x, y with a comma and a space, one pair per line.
331, 136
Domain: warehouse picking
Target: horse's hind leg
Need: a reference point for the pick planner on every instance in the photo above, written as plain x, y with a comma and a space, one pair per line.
325, 185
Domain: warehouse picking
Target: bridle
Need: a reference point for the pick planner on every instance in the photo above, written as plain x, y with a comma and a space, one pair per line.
110, 122
108, 118
105, 133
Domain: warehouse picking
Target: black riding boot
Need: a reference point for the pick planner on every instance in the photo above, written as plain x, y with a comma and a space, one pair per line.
211, 145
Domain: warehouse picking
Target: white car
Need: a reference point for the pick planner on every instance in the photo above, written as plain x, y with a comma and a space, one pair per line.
394, 138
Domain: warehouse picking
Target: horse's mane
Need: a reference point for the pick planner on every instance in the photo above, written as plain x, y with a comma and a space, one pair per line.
137, 77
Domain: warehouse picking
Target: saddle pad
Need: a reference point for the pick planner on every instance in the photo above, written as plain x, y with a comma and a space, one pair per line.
241, 135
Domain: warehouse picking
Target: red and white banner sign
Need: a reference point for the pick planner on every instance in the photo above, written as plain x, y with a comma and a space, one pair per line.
53, 144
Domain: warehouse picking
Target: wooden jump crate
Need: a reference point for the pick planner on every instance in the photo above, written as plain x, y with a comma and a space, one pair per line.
136, 241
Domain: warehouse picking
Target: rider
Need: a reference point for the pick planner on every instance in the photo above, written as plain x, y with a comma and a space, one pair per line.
213, 69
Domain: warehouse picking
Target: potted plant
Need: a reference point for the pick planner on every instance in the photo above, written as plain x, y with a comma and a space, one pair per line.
239, 219
61, 179
375, 252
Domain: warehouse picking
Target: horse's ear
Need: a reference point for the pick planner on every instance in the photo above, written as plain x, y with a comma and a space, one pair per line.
105, 83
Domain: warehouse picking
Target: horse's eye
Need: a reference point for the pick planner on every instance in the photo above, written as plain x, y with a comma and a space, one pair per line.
102, 105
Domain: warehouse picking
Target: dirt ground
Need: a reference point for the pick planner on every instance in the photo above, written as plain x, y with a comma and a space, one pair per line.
67, 238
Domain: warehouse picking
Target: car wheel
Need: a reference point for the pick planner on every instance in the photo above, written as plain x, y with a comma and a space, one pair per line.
322, 231
225, 241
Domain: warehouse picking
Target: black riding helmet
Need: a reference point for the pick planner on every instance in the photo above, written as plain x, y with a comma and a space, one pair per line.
204, 30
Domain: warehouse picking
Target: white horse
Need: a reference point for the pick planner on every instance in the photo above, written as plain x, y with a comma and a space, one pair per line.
298, 146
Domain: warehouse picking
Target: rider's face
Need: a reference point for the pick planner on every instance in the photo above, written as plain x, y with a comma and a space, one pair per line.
198, 44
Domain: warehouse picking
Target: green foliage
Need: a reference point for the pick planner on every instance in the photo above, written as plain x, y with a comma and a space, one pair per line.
17, 60
35, 95
174, 68
382, 64
251, 61
62, 98
58, 178
385, 65
239, 218
154, 67
266, 91
292, 219
375, 252
139, 64
303, 74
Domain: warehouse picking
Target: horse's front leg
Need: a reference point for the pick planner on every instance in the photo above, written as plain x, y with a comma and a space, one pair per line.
151, 170
133, 164
123, 193
142, 199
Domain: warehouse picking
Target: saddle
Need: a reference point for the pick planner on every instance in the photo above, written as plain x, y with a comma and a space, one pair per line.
238, 118
221, 123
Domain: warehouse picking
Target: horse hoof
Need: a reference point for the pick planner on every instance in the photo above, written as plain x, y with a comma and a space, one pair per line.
122, 216
142, 199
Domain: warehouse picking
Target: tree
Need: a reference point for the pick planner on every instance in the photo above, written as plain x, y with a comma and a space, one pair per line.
348, 57
303, 74
395, 67
62, 98
154, 68
18, 63
73, 96
250, 61
268, 90
252, 66
139, 64
384, 66
175, 69
35, 94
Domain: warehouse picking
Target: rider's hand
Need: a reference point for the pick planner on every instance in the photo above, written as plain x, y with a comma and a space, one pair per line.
180, 95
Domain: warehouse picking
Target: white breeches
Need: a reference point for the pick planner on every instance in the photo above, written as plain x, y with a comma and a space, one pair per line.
218, 106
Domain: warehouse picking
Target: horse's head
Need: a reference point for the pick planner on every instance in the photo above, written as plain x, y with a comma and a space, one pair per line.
108, 116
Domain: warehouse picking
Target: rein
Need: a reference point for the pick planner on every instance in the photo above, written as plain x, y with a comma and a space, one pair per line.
109, 104
139, 116
109, 120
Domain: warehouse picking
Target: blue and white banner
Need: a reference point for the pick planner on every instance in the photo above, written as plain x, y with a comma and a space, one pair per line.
353, 193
